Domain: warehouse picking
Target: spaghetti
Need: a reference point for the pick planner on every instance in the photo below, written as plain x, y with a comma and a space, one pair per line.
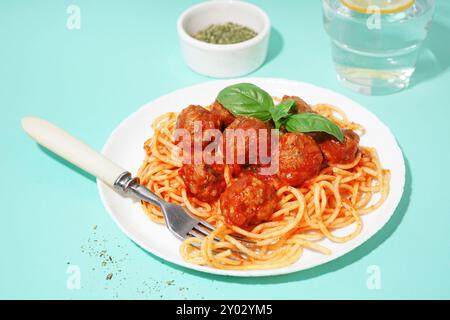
338, 197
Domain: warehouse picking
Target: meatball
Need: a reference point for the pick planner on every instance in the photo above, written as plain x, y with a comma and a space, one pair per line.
235, 169
299, 159
203, 181
248, 201
301, 105
196, 119
336, 152
265, 173
247, 143
225, 116
273, 180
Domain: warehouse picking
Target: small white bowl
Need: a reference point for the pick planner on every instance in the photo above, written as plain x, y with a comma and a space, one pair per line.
230, 60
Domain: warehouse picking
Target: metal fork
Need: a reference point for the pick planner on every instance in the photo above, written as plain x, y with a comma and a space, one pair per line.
178, 219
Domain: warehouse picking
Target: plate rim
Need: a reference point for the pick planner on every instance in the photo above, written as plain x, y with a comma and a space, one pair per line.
101, 187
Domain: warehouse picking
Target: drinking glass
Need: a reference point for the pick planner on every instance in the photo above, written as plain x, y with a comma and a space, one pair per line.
376, 53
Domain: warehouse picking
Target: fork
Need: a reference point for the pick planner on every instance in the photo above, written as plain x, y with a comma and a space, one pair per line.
179, 221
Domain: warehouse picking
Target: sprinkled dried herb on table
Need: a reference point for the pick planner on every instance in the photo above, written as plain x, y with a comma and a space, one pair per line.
100, 247
227, 33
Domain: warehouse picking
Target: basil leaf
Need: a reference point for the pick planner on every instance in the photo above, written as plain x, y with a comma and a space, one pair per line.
311, 122
246, 99
281, 111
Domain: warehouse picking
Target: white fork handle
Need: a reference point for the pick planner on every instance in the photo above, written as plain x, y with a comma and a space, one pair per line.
68, 147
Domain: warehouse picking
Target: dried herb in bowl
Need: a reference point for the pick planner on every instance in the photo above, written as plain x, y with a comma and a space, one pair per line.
227, 33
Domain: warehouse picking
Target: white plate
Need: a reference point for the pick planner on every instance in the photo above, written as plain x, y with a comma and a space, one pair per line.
125, 146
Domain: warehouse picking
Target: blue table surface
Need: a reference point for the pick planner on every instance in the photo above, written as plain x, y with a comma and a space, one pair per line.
53, 225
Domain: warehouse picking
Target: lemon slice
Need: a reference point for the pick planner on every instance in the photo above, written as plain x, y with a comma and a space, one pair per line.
385, 6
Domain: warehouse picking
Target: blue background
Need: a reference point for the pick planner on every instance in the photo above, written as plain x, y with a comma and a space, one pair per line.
126, 54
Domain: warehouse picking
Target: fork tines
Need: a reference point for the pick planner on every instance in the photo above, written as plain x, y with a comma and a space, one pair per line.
203, 229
